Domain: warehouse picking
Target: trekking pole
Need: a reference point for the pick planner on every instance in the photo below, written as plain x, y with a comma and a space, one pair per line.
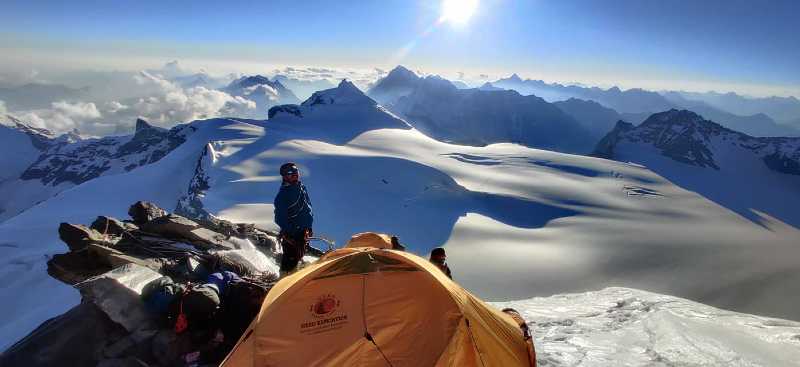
331, 243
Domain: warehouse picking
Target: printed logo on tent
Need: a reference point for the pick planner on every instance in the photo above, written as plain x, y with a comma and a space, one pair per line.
325, 305
325, 316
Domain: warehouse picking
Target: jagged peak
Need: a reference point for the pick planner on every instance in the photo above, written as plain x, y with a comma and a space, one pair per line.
346, 93
141, 124
515, 78
250, 80
402, 71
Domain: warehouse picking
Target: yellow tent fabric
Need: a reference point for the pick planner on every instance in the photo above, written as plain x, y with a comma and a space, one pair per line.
371, 306
370, 239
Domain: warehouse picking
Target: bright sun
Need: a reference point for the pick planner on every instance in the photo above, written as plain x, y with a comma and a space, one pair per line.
458, 11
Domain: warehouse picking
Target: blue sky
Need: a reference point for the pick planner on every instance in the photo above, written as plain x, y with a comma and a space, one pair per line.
747, 46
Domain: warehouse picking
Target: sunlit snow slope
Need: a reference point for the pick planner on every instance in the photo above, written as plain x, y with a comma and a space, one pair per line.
628, 327
516, 222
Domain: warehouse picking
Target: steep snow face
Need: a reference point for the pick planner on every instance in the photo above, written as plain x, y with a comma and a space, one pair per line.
485, 116
346, 93
21, 145
516, 222
628, 327
264, 92
746, 174
51, 165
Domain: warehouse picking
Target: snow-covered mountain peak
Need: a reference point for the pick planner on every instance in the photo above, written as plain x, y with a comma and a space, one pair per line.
252, 80
514, 78
398, 83
346, 93
401, 73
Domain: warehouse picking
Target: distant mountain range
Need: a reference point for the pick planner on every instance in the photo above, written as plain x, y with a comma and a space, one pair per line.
782, 109
637, 104
477, 116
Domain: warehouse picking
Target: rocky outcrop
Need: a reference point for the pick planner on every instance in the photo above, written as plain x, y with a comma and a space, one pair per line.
112, 226
288, 109
112, 262
144, 211
176, 227
77, 236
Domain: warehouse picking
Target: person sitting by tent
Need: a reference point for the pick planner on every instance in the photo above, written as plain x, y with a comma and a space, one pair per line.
526, 332
293, 214
439, 258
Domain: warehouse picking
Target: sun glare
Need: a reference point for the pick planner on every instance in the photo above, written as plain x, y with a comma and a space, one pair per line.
458, 11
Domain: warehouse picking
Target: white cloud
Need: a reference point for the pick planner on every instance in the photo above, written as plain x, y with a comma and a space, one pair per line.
362, 78
174, 104
114, 107
63, 117
78, 110
3, 109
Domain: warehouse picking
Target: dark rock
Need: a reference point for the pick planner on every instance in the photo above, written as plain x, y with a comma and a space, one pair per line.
112, 226
287, 108
77, 236
144, 211
141, 124
178, 227
74, 267
782, 163
75, 338
113, 258
118, 294
122, 362
605, 148
168, 347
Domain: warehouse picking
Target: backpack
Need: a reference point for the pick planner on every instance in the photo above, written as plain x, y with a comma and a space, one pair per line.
159, 294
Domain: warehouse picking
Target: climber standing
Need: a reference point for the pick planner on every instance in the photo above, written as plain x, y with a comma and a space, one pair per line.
294, 216
439, 258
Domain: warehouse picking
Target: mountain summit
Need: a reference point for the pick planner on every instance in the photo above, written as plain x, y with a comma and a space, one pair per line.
346, 93
264, 92
398, 83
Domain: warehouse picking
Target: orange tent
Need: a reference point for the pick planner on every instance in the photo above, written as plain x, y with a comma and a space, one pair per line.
367, 305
